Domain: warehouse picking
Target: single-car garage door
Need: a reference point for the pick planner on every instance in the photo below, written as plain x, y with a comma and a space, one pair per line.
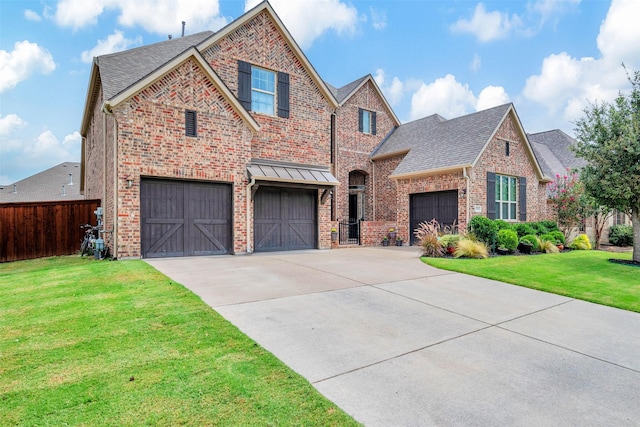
285, 219
184, 218
441, 205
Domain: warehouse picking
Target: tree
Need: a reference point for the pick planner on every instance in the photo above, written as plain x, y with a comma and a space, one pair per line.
566, 193
609, 139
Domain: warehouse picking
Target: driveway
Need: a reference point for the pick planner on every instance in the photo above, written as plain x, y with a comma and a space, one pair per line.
395, 342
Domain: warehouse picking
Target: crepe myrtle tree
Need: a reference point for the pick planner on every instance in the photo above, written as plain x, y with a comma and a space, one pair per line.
608, 138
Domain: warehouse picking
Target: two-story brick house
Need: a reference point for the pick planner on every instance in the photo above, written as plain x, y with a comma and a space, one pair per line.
230, 142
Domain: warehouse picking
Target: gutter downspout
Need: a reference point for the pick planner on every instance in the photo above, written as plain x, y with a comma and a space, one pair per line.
249, 234
373, 186
467, 180
114, 234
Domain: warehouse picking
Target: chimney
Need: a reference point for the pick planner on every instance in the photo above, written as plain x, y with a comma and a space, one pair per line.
183, 24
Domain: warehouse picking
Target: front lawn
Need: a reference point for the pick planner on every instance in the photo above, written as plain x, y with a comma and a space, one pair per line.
586, 275
86, 342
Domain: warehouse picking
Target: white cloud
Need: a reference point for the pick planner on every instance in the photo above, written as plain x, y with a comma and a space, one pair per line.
491, 96
306, 23
488, 26
476, 63
115, 42
9, 123
78, 13
566, 85
25, 59
156, 16
49, 149
549, 8
30, 15
378, 18
446, 96
394, 91
620, 33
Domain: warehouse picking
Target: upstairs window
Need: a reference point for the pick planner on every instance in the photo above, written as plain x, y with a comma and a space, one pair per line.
263, 90
191, 123
367, 121
257, 89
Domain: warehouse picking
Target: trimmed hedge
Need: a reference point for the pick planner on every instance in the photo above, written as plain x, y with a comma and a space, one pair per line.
621, 235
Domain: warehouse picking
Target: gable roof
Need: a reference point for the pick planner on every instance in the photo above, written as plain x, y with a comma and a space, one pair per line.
434, 144
61, 182
347, 91
265, 7
553, 150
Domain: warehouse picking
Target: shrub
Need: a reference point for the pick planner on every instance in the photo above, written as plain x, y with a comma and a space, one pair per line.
621, 235
450, 240
523, 229
470, 249
502, 224
548, 246
539, 228
484, 229
554, 236
427, 237
550, 225
508, 239
533, 240
581, 242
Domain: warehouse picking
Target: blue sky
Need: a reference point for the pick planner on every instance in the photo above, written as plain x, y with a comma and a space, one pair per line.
549, 57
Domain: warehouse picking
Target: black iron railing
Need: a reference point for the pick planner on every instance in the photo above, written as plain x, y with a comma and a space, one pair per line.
349, 232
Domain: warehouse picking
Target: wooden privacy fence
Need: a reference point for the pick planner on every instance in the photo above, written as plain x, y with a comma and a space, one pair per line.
43, 229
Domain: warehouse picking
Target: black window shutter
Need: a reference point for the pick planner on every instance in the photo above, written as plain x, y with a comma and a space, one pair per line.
190, 123
491, 195
523, 198
373, 123
244, 84
360, 113
283, 95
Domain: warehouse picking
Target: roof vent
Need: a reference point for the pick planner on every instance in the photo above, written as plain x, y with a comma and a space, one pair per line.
183, 24
15, 188
169, 36
64, 191
70, 179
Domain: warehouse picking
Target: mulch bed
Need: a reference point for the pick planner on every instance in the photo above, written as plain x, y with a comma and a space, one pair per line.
625, 262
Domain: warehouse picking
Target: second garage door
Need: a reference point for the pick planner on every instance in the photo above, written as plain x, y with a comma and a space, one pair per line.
441, 205
285, 219
184, 218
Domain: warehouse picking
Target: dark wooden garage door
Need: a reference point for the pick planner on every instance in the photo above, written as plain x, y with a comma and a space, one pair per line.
285, 219
441, 205
182, 218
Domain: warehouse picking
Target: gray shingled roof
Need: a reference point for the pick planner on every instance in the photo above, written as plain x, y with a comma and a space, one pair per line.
437, 143
342, 93
121, 70
553, 150
46, 186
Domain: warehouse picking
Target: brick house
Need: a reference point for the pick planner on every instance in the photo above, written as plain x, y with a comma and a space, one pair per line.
230, 142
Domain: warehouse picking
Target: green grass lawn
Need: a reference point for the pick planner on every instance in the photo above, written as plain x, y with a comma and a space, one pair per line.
586, 275
86, 342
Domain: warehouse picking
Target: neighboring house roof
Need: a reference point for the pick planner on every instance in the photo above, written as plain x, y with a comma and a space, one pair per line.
61, 182
435, 144
553, 150
345, 92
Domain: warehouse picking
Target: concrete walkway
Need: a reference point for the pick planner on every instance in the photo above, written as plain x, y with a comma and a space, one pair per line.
395, 342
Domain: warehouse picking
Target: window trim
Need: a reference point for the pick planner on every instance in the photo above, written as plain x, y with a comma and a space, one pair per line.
272, 94
511, 200
371, 129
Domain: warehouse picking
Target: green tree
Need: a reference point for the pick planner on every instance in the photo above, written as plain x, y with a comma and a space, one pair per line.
609, 139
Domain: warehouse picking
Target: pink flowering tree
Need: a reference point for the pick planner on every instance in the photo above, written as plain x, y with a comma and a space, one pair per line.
566, 194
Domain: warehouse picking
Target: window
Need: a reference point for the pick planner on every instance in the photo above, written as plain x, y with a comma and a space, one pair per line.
263, 90
506, 197
507, 148
190, 123
367, 121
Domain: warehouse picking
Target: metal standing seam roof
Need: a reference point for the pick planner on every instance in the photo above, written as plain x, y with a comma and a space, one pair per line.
436, 143
291, 173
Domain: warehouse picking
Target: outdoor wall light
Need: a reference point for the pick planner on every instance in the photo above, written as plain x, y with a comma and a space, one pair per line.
129, 182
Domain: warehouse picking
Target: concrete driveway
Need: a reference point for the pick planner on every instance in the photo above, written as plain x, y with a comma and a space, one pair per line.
395, 342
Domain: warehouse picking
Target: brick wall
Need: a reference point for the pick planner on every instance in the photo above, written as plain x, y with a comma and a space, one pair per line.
386, 191
354, 147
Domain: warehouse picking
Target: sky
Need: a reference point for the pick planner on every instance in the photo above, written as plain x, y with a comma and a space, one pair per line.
551, 58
